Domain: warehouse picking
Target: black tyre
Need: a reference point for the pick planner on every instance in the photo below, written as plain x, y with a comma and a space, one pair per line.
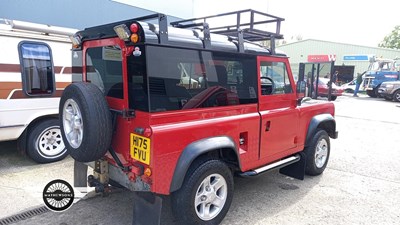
85, 122
206, 194
44, 142
333, 98
396, 96
317, 153
371, 93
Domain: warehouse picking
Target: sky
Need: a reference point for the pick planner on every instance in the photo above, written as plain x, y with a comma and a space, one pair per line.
345, 21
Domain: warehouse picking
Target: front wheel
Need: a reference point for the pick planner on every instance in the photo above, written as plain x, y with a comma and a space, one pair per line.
317, 153
333, 98
206, 194
396, 96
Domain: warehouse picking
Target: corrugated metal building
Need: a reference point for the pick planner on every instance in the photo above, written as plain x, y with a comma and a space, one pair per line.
345, 54
76, 14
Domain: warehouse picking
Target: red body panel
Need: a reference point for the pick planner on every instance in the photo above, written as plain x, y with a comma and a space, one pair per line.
171, 135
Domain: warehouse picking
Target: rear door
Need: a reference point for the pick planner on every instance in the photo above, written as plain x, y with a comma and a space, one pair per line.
105, 66
277, 106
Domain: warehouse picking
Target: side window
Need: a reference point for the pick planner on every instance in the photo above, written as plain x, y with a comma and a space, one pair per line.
36, 68
104, 69
180, 79
274, 78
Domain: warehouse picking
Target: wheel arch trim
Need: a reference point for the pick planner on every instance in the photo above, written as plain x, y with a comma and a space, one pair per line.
324, 121
196, 149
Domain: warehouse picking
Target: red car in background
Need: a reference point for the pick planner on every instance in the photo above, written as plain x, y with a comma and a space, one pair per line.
323, 89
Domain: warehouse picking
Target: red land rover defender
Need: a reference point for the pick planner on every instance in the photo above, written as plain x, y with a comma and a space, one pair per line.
180, 109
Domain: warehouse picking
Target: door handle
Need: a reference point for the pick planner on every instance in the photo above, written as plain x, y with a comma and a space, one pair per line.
268, 126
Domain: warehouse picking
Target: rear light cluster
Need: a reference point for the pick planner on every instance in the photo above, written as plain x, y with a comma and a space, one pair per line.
128, 34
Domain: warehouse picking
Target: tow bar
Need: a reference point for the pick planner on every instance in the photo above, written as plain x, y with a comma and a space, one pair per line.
146, 205
100, 179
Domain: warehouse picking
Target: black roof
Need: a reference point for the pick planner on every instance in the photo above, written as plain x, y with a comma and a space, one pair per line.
197, 33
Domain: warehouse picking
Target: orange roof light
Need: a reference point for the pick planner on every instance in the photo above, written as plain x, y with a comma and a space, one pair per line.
134, 38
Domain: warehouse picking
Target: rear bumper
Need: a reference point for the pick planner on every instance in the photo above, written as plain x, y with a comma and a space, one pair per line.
117, 175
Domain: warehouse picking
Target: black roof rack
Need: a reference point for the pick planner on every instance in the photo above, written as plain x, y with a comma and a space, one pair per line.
250, 26
246, 27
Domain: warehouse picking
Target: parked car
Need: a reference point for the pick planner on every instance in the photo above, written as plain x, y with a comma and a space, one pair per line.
323, 89
351, 86
390, 90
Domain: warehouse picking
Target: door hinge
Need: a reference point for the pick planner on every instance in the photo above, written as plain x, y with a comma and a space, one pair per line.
128, 113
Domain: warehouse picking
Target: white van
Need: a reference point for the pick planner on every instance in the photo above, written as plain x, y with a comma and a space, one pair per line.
35, 67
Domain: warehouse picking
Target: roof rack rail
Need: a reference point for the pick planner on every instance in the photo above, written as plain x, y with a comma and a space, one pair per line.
244, 29
36, 27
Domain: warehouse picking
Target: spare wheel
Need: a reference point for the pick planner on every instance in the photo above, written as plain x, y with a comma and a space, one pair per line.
85, 122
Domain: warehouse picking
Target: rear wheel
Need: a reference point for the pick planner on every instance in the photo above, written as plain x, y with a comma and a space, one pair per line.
317, 153
206, 194
44, 143
396, 96
85, 122
333, 97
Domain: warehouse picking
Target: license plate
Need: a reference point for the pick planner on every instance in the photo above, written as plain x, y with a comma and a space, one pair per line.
140, 148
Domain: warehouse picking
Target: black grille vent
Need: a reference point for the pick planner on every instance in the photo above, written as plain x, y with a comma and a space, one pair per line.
157, 86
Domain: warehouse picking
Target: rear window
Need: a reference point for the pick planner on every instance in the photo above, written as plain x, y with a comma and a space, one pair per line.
104, 69
179, 79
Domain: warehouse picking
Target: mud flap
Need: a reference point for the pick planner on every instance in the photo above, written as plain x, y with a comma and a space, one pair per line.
146, 209
80, 174
296, 170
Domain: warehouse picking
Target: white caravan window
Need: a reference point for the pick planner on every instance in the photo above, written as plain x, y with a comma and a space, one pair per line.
36, 68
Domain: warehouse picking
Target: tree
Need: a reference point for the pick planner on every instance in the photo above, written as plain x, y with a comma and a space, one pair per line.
392, 40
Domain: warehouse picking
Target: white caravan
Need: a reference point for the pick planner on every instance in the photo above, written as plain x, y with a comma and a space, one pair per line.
35, 67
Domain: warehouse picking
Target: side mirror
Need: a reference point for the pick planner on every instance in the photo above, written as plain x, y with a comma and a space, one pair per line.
301, 85
301, 89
